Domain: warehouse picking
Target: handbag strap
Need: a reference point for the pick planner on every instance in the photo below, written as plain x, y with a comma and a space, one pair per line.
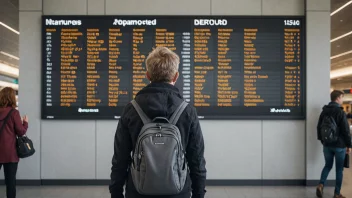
5, 121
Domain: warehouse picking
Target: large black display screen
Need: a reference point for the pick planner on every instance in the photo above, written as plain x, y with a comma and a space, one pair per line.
231, 67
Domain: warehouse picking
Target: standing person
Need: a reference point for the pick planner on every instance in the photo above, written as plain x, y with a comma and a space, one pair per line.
334, 133
159, 99
12, 127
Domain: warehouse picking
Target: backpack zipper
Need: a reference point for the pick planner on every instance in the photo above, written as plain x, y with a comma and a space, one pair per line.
144, 136
140, 151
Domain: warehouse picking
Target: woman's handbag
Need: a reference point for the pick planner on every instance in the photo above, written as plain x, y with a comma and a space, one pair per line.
24, 145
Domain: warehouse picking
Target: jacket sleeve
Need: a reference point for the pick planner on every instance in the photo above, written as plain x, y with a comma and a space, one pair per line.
120, 160
345, 130
20, 127
195, 159
319, 126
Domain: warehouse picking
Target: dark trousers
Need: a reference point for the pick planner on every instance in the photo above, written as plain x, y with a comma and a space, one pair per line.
339, 155
10, 170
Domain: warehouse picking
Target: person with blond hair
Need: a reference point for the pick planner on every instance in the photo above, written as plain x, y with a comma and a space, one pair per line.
159, 99
11, 125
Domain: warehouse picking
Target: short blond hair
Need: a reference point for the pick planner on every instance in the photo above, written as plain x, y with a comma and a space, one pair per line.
162, 64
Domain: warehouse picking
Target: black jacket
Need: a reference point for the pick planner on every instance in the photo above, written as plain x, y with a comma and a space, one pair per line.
336, 111
158, 100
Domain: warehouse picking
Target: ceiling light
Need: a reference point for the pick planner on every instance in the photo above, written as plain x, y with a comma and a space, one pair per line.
7, 84
10, 28
340, 37
9, 55
342, 54
342, 7
9, 70
341, 20
338, 73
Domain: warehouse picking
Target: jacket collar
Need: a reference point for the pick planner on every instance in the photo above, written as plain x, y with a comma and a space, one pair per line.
334, 104
160, 87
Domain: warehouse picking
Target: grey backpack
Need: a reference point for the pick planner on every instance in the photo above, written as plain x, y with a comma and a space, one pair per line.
159, 165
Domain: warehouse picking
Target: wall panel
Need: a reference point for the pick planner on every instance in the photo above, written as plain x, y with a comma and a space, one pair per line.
29, 88
283, 150
105, 147
68, 150
96, 7
318, 85
286, 7
319, 5
232, 149
157, 7
237, 7
65, 7
30, 5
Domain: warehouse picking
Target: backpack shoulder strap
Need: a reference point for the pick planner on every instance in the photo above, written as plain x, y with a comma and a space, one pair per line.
330, 118
5, 121
140, 112
176, 115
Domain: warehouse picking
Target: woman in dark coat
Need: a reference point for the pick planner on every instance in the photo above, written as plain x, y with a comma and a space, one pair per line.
14, 126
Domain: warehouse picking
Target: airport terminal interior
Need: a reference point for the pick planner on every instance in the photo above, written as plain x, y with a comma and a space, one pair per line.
257, 71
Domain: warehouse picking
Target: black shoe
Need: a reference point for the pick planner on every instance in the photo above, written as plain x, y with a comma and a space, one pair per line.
339, 196
320, 191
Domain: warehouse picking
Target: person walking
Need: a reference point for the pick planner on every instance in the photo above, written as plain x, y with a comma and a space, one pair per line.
334, 133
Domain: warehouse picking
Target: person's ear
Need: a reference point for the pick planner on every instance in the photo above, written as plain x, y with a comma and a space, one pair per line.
175, 77
147, 75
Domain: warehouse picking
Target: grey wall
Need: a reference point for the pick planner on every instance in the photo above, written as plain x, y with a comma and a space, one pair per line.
234, 149
318, 79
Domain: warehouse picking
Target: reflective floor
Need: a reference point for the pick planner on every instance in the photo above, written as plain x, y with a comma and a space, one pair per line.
213, 192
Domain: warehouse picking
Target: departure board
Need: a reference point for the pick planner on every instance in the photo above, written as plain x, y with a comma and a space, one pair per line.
230, 67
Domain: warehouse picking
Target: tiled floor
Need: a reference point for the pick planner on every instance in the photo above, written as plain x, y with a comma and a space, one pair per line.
213, 192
